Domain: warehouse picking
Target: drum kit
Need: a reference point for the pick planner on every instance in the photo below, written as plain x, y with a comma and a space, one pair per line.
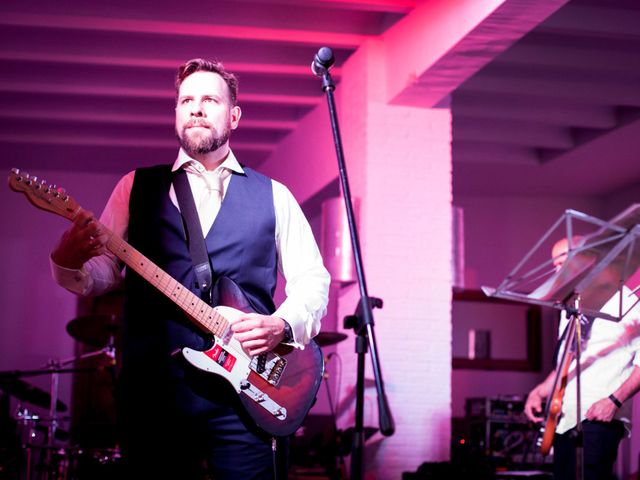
38, 446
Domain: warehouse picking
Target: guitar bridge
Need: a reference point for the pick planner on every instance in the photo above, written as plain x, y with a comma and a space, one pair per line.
265, 401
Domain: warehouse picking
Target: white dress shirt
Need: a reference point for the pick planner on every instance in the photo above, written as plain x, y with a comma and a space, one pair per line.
610, 355
299, 260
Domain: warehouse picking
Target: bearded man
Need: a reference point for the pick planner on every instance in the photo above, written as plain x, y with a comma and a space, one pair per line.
174, 422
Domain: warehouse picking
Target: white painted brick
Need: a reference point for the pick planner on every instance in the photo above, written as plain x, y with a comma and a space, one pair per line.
404, 182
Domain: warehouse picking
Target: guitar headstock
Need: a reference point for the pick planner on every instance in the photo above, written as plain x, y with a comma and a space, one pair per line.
46, 197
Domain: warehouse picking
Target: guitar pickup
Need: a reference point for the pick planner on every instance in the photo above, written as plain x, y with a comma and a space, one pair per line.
261, 365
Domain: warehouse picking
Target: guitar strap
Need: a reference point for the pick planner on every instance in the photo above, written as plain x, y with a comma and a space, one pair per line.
195, 239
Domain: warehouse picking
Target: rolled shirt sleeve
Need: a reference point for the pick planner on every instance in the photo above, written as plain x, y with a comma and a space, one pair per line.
102, 273
300, 262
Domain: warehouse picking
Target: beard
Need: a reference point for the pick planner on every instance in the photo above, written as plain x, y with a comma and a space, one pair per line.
204, 142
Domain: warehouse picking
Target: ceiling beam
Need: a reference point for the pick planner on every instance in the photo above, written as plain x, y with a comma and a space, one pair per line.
388, 6
97, 141
587, 57
542, 110
129, 119
451, 41
92, 90
156, 63
236, 32
469, 152
510, 132
605, 21
559, 84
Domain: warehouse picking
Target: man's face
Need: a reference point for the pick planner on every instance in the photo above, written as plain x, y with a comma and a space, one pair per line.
204, 116
559, 253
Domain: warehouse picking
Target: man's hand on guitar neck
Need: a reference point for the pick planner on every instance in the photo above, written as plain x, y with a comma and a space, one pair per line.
82, 241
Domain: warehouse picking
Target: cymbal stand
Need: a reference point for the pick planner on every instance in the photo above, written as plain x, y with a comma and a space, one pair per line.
28, 421
55, 368
337, 441
53, 410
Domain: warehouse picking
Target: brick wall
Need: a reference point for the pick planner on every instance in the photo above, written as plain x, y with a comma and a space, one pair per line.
399, 164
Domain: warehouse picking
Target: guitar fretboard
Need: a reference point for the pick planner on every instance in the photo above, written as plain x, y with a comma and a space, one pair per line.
194, 307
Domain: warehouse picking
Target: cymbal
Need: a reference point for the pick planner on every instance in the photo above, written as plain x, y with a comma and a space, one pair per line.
324, 339
29, 393
94, 330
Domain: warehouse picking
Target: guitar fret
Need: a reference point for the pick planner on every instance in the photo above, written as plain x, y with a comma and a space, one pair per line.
194, 307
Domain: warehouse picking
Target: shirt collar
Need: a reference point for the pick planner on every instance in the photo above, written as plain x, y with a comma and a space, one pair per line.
230, 163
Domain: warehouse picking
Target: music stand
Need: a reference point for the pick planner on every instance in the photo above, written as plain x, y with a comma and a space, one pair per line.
596, 266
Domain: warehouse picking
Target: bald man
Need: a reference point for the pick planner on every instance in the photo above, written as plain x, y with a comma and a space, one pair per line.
609, 378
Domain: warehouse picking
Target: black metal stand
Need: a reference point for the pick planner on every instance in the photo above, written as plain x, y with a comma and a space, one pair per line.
362, 321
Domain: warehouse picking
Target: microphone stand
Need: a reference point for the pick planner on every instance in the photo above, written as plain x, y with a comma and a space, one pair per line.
362, 320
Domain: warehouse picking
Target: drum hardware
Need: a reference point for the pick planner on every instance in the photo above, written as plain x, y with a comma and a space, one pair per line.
324, 339
12, 384
41, 438
45, 458
26, 422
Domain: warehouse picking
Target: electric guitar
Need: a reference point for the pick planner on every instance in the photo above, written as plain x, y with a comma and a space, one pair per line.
277, 388
554, 405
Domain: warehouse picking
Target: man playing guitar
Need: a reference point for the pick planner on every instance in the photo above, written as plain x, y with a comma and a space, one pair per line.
178, 421
610, 376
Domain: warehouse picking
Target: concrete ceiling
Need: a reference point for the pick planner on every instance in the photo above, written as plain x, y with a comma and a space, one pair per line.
89, 86
559, 111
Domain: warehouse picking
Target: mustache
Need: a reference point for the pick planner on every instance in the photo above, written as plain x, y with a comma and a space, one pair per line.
197, 123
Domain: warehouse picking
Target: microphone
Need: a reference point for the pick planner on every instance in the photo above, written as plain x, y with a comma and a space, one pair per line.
322, 62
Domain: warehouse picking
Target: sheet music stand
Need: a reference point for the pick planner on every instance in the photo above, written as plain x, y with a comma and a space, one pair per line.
595, 268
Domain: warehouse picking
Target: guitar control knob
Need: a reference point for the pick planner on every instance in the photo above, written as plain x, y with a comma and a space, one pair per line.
244, 384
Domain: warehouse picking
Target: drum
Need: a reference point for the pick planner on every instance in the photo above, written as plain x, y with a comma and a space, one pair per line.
94, 464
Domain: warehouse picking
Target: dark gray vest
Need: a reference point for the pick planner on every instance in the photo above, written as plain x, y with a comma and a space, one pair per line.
240, 244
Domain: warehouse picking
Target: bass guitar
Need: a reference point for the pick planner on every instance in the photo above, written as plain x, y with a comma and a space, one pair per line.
277, 388
553, 409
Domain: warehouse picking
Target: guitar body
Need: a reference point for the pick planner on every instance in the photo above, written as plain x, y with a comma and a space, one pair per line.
296, 386
277, 388
549, 429
554, 407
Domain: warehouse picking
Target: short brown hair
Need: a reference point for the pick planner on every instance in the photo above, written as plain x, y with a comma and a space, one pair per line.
201, 65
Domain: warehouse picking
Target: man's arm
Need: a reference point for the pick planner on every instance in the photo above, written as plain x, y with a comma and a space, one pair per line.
80, 261
533, 405
307, 283
605, 409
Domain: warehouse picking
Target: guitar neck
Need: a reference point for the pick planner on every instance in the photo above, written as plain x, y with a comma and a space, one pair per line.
55, 200
196, 309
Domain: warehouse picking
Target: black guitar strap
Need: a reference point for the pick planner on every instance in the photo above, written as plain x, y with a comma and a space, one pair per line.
195, 239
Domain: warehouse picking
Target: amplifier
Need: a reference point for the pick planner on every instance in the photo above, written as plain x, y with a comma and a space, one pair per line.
503, 408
